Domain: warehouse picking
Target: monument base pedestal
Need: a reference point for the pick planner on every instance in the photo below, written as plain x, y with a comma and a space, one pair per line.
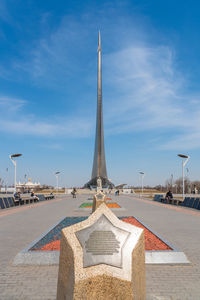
105, 183
103, 287
102, 258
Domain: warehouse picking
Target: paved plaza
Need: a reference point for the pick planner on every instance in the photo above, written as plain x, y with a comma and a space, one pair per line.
19, 226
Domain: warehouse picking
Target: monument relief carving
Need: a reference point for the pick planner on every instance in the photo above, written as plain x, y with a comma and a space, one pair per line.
102, 242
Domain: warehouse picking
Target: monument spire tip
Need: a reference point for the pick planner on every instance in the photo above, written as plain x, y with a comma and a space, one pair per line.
99, 43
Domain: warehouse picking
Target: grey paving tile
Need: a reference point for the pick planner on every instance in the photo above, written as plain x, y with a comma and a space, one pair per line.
178, 226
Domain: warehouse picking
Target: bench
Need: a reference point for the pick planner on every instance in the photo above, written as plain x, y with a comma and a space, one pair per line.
24, 200
157, 197
191, 202
27, 199
186, 201
6, 202
196, 203
11, 201
176, 201
41, 197
16, 201
2, 204
49, 197
172, 201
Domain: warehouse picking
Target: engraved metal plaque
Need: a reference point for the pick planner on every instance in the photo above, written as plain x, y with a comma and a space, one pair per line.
102, 243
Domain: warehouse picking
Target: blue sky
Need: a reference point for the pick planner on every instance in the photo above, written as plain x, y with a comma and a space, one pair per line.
151, 94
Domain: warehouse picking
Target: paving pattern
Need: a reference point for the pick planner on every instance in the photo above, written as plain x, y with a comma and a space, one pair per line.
51, 240
110, 205
20, 226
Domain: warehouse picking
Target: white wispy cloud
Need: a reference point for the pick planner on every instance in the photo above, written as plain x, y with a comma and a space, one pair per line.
27, 125
151, 95
56, 56
9, 104
143, 88
145, 81
15, 120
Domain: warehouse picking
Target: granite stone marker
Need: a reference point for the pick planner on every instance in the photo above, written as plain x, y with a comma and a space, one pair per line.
98, 199
102, 258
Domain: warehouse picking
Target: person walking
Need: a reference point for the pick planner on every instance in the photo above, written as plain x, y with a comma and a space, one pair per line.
74, 193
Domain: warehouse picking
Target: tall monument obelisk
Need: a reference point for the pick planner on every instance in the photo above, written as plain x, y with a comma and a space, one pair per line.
99, 163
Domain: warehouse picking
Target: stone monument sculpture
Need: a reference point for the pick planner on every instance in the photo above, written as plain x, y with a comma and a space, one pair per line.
99, 184
102, 258
99, 162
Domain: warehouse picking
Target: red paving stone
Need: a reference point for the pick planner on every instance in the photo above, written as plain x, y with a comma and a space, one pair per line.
110, 205
113, 205
152, 242
53, 246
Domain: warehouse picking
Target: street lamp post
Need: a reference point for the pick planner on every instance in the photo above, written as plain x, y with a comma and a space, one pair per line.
172, 181
6, 185
185, 159
142, 179
56, 174
15, 165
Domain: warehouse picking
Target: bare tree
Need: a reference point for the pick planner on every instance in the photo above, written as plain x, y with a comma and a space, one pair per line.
179, 185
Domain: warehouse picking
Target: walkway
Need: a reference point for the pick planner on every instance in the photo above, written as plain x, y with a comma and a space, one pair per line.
20, 226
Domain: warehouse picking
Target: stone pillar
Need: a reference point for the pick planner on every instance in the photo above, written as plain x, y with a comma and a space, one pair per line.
99, 184
98, 199
102, 258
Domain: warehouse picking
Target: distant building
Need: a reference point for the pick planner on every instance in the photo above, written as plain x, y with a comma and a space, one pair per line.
27, 186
